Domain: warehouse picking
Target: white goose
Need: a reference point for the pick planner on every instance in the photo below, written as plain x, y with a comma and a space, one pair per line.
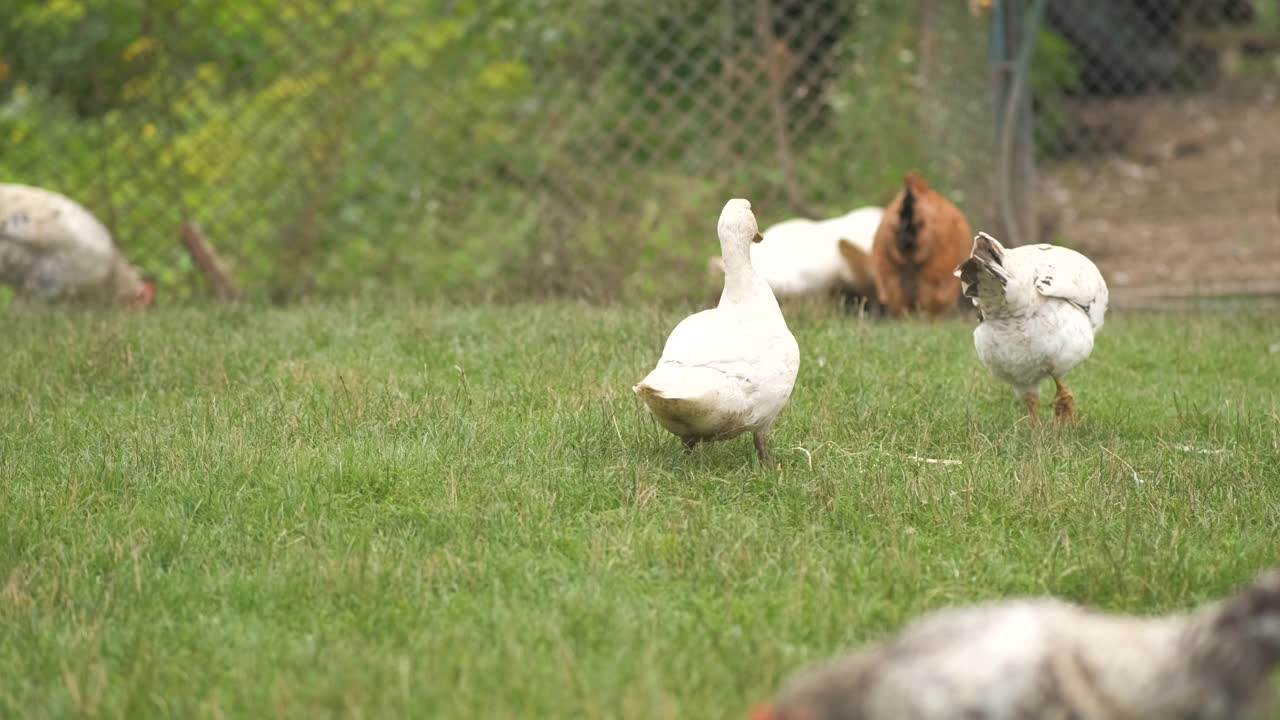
1040, 306
727, 370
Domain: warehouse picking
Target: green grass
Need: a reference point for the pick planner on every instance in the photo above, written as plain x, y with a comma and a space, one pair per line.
361, 511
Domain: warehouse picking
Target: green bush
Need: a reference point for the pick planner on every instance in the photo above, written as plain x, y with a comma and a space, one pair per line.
1055, 73
466, 151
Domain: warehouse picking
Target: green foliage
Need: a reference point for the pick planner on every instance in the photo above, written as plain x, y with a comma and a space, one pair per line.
1055, 73
1268, 16
461, 149
430, 511
873, 110
101, 55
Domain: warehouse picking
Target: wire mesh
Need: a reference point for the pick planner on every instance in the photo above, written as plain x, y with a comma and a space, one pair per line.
570, 147
575, 148
1155, 123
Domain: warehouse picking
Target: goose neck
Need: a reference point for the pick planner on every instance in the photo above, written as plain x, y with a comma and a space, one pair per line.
741, 283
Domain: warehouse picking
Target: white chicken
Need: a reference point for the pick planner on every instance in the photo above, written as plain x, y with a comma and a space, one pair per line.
53, 249
1042, 658
802, 257
727, 370
1039, 308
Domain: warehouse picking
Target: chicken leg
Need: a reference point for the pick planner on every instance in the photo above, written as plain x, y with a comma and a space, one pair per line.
1064, 403
1032, 401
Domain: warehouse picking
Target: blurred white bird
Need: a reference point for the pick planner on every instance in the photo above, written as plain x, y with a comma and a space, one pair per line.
1041, 658
53, 249
801, 257
1040, 306
730, 369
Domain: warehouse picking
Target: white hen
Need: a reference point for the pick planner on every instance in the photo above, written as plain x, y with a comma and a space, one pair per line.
1042, 658
801, 257
727, 370
1040, 306
52, 248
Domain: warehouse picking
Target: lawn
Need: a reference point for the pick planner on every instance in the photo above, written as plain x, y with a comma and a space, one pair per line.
367, 511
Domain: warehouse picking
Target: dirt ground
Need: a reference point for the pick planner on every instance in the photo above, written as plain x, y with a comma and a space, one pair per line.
1184, 201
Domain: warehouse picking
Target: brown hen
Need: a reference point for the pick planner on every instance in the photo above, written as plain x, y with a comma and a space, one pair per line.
921, 240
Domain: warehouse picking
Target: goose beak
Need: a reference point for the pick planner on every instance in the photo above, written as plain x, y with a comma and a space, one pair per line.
757, 238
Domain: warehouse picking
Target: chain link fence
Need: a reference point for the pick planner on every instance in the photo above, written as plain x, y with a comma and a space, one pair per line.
1159, 151
577, 148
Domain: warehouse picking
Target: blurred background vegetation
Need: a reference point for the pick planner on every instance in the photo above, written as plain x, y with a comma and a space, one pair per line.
500, 149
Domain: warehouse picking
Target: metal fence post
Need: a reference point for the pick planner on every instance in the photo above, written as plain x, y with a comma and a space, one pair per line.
1012, 37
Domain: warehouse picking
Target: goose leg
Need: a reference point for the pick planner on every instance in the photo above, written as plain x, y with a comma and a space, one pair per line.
1032, 401
759, 438
689, 444
1064, 403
